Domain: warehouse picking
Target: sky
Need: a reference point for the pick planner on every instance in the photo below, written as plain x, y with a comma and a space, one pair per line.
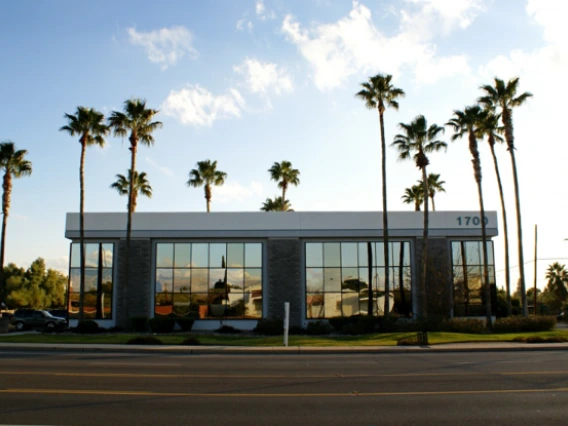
252, 82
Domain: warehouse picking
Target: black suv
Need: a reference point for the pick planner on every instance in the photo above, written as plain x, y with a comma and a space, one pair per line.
31, 318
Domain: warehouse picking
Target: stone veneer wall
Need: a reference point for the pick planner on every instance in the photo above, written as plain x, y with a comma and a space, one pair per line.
134, 298
284, 279
438, 278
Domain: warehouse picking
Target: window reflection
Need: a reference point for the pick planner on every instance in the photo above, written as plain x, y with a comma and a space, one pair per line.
209, 280
341, 287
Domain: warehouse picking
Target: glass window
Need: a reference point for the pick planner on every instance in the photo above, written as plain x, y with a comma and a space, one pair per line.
165, 256
314, 255
200, 255
473, 253
380, 254
75, 255
164, 280
349, 254
314, 280
363, 254
107, 255
331, 255
253, 255
350, 279
217, 255
332, 279
235, 255
235, 279
217, 279
182, 280
92, 255
182, 256
253, 279
199, 280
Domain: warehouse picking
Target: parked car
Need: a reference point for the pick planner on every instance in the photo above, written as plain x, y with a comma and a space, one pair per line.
61, 313
31, 318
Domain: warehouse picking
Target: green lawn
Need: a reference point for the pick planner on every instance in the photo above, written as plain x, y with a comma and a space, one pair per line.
378, 339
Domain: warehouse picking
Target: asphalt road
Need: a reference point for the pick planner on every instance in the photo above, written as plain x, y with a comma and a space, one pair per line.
501, 388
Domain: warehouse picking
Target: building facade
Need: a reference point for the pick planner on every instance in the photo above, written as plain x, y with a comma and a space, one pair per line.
236, 268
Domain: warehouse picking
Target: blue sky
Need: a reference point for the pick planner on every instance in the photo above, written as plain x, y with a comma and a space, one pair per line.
248, 83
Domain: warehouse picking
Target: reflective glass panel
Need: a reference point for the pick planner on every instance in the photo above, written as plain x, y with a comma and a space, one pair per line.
108, 250
380, 255
350, 280
314, 255
236, 307
182, 255
456, 253
253, 303
200, 255
217, 280
235, 255
217, 255
490, 256
314, 280
74, 279
199, 280
91, 279
394, 254
472, 251
332, 305
75, 255
363, 254
331, 255
182, 280
199, 305
164, 280
315, 306
253, 279
332, 279
165, 255
181, 304
349, 254
92, 255
235, 279
253, 255
107, 280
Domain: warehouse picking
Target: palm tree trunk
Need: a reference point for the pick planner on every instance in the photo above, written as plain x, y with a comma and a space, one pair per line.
208, 197
401, 280
7, 189
508, 122
82, 230
465, 280
505, 230
386, 309
433, 204
424, 258
370, 276
477, 173
133, 150
283, 196
99, 302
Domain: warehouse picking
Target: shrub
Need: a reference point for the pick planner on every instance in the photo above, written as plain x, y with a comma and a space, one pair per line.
538, 339
139, 324
269, 327
407, 341
296, 329
464, 325
339, 322
191, 341
356, 324
144, 340
227, 329
318, 328
162, 325
520, 324
87, 327
185, 323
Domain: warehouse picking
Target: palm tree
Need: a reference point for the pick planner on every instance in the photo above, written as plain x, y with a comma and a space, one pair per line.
490, 128
378, 93
141, 186
418, 140
435, 185
206, 174
466, 123
88, 125
14, 164
275, 205
504, 97
414, 194
557, 277
136, 123
285, 175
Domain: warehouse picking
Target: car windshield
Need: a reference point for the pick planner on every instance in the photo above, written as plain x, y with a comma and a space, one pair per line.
47, 314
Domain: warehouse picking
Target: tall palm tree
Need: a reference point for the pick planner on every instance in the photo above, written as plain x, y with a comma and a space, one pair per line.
435, 185
275, 205
136, 123
285, 175
378, 93
88, 124
206, 174
415, 142
557, 277
141, 186
466, 123
504, 97
414, 194
15, 165
490, 128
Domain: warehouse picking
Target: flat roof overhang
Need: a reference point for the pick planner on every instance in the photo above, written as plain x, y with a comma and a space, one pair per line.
402, 224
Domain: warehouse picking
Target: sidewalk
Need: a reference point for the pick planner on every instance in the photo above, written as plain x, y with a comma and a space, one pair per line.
279, 350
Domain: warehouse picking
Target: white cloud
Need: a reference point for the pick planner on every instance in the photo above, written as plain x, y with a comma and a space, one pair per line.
165, 46
264, 77
339, 50
60, 264
243, 24
165, 170
196, 106
547, 14
262, 13
444, 15
234, 191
